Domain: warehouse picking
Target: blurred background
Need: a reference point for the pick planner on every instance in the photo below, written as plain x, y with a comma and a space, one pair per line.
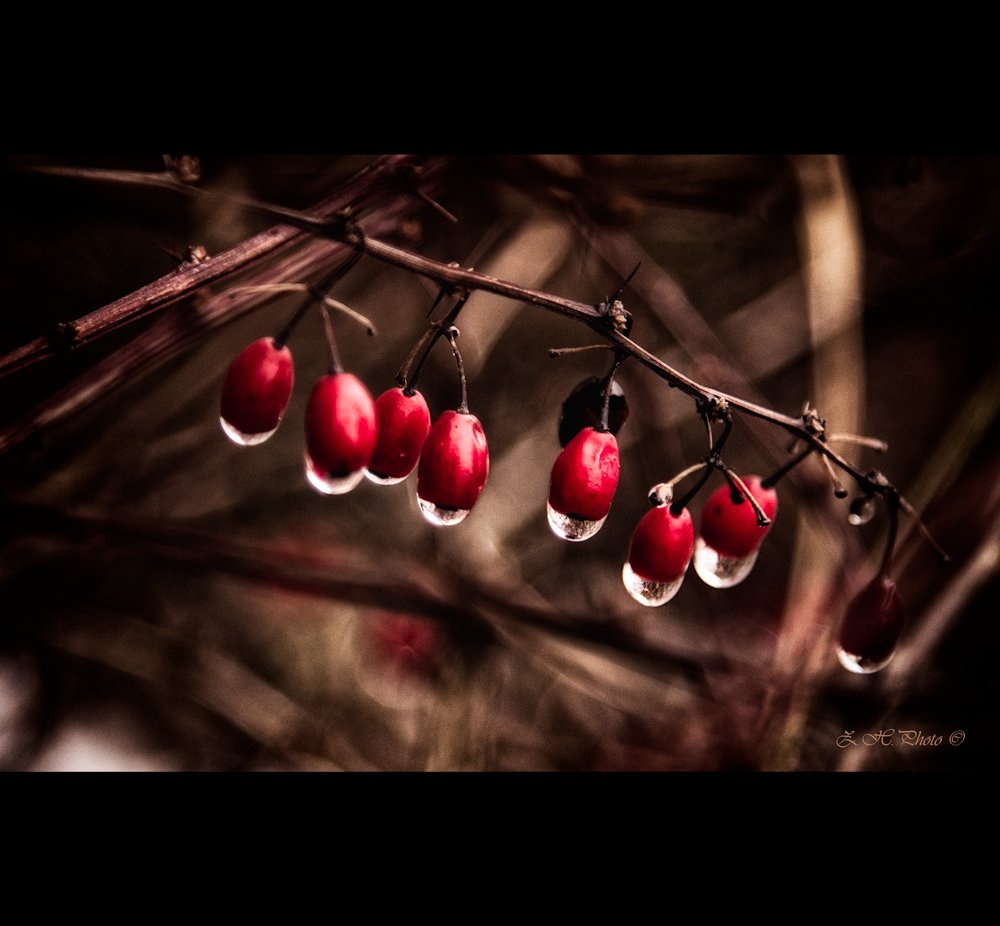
172, 601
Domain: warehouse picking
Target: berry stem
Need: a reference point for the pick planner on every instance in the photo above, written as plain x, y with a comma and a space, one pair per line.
452, 336
428, 340
332, 303
609, 382
663, 492
313, 296
838, 486
771, 481
677, 507
727, 429
740, 488
711, 462
331, 342
401, 375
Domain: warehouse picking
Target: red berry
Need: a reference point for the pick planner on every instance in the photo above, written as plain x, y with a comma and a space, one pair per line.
731, 529
583, 483
872, 626
453, 468
341, 431
255, 392
403, 423
662, 544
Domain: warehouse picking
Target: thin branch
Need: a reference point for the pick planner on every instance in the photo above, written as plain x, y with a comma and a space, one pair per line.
190, 276
341, 228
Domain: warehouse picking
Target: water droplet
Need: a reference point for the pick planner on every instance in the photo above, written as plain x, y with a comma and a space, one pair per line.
331, 485
646, 591
441, 515
862, 510
244, 440
570, 528
863, 665
381, 480
721, 571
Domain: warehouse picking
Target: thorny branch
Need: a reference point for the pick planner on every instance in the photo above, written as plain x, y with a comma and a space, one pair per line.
610, 322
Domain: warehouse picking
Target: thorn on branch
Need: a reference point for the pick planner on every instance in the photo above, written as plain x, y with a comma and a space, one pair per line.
409, 176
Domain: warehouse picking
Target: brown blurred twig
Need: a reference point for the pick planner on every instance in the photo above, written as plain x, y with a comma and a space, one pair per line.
414, 588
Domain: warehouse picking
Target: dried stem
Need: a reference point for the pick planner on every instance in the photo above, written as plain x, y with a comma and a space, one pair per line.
332, 303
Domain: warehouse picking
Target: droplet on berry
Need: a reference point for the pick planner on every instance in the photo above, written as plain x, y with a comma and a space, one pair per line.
341, 431
647, 592
871, 628
453, 467
583, 483
584, 406
567, 527
255, 392
862, 510
730, 537
721, 571
658, 556
403, 424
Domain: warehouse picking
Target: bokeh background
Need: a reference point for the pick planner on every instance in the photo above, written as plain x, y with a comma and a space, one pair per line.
171, 601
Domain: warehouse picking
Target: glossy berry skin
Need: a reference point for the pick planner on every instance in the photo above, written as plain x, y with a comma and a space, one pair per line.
585, 476
403, 424
584, 406
454, 463
662, 545
256, 389
341, 426
873, 624
731, 529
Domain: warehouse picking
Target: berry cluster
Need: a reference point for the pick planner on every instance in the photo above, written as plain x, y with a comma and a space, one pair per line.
582, 487
349, 435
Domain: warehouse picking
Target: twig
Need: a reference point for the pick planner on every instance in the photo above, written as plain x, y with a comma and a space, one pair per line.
189, 277
341, 228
